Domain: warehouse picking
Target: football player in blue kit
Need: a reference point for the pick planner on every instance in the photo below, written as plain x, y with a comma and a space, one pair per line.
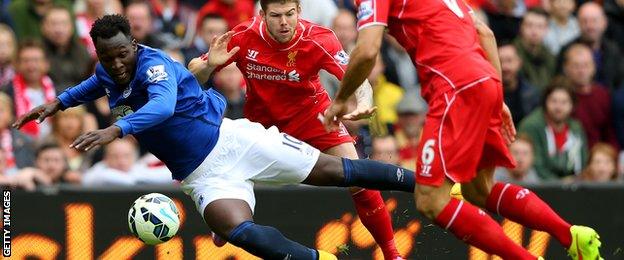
217, 160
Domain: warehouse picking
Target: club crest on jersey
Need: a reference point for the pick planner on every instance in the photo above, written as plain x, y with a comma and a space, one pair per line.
126, 93
342, 57
292, 58
252, 54
156, 73
121, 111
365, 10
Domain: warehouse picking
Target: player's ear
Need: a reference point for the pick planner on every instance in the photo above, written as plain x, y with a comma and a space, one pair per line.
261, 12
135, 45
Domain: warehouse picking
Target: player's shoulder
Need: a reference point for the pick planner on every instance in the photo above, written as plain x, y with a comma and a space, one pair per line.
313, 30
249, 26
153, 65
318, 33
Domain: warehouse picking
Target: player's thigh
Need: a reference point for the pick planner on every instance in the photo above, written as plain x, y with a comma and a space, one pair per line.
454, 135
223, 215
278, 158
495, 150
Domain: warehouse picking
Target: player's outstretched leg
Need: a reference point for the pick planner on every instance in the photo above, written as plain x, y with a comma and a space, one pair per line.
232, 219
341, 172
459, 217
375, 217
525, 207
370, 208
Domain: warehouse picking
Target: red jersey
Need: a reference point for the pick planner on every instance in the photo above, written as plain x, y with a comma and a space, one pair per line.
440, 37
283, 87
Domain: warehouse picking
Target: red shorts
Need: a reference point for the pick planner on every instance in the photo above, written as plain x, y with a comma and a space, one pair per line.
462, 134
312, 131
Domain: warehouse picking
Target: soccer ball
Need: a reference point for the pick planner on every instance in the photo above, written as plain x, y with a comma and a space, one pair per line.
153, 218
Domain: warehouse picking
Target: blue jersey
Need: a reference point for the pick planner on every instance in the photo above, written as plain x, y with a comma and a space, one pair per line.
163, 106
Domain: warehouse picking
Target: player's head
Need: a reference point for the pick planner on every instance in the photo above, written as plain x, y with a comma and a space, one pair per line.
115, 47
281, 17
558, 100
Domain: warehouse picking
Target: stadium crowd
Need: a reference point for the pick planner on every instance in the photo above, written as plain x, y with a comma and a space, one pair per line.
562, 73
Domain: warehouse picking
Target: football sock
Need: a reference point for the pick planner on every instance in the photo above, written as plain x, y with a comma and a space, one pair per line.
377, 176
524, 207
268, 243
477, 228
372, 212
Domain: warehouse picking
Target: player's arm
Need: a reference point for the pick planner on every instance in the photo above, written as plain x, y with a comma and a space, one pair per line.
88, 90
364, 98
360, 65
488, 42
162, 94
218, 55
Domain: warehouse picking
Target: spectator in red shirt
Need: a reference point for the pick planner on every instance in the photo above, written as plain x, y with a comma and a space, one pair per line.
234, 11
593, 107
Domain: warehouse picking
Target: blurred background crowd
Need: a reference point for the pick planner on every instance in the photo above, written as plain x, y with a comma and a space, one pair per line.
562, 66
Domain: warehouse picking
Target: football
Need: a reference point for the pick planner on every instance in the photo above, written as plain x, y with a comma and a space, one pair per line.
153, 218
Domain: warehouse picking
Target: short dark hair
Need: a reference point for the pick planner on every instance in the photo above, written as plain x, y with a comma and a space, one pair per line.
537, 11
108, 26
28, 43
211, 16
265, 3
559, 83
57, 8
48, 145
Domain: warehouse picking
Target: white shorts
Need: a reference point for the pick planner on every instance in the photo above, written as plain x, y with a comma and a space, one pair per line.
246, 153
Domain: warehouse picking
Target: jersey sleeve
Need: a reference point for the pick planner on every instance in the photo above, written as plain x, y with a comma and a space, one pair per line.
162, 91
334, 58
88, 90
372, 12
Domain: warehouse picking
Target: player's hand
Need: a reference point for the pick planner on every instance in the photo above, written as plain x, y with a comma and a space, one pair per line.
336, 110
88, 141
508, 128
362, 112
218, 53
40, 113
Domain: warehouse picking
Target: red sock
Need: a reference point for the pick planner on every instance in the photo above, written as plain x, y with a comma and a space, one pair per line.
372, 212
477, 228
524, 207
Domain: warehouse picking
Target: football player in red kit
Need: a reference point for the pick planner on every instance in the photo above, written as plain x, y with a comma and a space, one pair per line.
280, 57
467, 126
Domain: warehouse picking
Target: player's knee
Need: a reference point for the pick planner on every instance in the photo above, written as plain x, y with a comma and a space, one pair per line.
224, 229
327, 171
429, 201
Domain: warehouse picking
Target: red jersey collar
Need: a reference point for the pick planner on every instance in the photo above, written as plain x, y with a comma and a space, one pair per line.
282, 46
